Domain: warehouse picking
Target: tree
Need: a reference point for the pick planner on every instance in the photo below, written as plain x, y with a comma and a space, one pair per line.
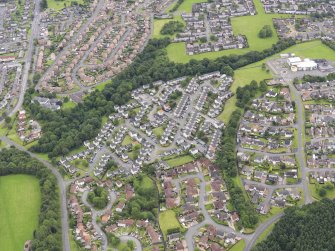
322, 192
7, 120
44, 4
265, 32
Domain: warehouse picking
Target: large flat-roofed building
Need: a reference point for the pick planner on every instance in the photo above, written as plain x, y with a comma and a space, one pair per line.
297, 64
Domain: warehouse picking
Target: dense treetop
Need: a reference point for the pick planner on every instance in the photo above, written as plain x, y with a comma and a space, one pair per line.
308, 228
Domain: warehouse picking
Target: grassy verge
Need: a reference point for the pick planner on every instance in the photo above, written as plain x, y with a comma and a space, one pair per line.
168, 220
20, 200
180, 160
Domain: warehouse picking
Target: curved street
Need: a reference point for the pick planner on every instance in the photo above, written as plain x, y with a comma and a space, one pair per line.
98, 213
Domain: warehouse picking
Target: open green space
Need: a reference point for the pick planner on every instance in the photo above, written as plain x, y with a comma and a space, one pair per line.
68, 105
168, 220
186, 6
239, 246
158, 131
178, 161
20, 200
314, 189
61, 4
127, 140
145, 182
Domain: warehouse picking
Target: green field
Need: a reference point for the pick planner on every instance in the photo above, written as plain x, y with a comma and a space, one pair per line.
20, 200
68, 105
186, 6
159, 23
168, 220
61, 4
158, 131
145, 183
178, 161
314, 190
239, 246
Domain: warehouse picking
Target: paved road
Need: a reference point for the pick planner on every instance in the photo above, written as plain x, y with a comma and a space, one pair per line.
98, 213
25, 75
138, 245
301, 144
261, 228
62, 188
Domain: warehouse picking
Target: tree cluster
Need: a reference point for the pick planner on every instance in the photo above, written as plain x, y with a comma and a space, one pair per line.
265, 32
47, 236
144, 204
246, 93
308, 228
226, 157
172, 27
318, 79
65, 130
98, 197
176, 6
329, 43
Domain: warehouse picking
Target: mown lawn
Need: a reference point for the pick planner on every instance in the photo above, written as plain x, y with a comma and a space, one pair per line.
159, 23
168, 220
314, 190
158, 131
68, 105
239, 246
20, 200
146, 182
60, 4
186, 6
178, 161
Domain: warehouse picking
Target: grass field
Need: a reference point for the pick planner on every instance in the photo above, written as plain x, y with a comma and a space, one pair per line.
158, 131
178, 161
168, 220
314, 190
20, 200
186, 6
159, 23
68, 105
146, 182
239, 246
60, 4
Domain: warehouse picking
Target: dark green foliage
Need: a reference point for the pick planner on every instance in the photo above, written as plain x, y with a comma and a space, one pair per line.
176, 6
43, 5
68, 129
144, 204
313, 79
48, 233
246, 93
172, 27
329, 43
308, 228
113, 239
226, 156
98, 197
265, 32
